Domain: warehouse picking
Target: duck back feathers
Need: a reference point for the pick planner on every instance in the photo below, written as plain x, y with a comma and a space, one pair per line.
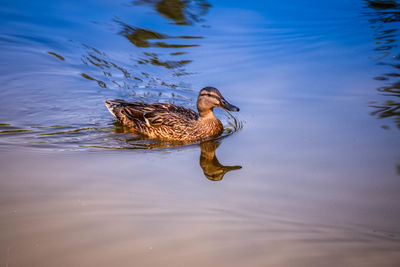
164, 121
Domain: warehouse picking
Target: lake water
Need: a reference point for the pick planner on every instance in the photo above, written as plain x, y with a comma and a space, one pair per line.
306, 174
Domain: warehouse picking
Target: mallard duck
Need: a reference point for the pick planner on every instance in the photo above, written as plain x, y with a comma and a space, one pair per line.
167, 121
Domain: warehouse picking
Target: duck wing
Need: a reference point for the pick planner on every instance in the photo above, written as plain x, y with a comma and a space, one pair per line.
150, 115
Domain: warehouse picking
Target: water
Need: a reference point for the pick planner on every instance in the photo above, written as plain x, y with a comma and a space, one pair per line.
307, 173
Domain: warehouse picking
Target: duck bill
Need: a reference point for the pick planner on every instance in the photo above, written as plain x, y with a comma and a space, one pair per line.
229, 106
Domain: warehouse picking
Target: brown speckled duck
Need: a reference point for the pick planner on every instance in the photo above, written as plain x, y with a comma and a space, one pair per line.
167, 121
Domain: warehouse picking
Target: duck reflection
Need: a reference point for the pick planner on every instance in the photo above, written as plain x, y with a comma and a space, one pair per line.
209, 163
212, 168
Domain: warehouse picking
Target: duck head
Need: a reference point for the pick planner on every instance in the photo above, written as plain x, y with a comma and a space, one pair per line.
210, 97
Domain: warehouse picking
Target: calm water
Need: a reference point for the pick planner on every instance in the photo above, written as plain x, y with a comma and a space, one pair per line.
306, 174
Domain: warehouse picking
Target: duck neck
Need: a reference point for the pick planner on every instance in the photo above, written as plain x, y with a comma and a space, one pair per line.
206, 114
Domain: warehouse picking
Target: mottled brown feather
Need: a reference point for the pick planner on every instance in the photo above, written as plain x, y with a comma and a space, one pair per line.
168, 121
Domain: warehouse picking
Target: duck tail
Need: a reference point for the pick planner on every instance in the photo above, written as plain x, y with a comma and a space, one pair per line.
113, 106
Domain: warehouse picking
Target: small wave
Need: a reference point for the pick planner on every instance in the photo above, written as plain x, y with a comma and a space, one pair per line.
95, 136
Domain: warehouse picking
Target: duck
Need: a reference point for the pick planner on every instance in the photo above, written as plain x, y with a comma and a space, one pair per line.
172, 122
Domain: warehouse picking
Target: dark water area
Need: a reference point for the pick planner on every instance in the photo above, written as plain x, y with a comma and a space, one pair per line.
306, 174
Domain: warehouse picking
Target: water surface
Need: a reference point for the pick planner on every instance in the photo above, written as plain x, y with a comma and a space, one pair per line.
307, 173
